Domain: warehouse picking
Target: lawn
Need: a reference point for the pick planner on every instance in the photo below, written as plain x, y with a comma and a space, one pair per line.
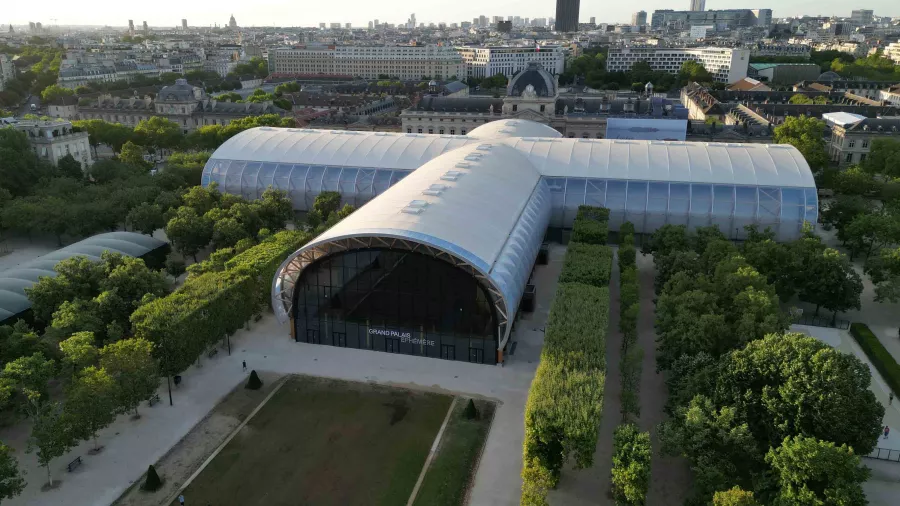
325, 442
453, 468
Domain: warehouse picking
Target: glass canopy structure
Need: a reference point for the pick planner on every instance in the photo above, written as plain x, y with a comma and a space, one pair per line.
482, 203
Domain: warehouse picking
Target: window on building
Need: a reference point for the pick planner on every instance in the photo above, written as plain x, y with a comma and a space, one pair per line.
865, 143
409, 130
515, 107
543, 107
452, 131
851, 143
849, 157
420, 130
862, 157
463, 131
431, 130
441, 131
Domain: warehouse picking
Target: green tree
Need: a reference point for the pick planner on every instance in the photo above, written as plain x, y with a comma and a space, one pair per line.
68, 166
20, 168
132, 280
692, 71
274, 209
631, 465
77, 315
835, 285
54, 92
868, 233
79, 350
806, 134
25, 379
202, 199
717, 441
52, 435
206, 137
792, 384
158, 133
130, 363
799, 98
855, 181
810, 472
91, 403
885, 273
146, 218
734, 497
133, 155
11, 481
189, 232
884, 157
326, 203
227, 232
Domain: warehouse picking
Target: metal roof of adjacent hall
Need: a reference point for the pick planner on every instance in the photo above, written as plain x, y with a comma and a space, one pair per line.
15, 280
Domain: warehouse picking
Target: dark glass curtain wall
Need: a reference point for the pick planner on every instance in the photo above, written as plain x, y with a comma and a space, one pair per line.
398, 302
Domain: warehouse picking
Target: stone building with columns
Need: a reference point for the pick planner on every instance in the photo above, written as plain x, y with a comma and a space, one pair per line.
189, 106
534, 95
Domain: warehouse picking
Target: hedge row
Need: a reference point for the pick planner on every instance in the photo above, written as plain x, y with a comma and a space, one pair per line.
631, 465
564, 406
211, 305
565, 402
590, 264
878, 355
591, 225
629, 308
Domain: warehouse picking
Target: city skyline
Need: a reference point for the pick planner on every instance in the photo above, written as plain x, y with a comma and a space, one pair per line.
284, 13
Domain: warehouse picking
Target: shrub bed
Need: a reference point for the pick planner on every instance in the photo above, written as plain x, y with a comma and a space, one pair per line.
591, 225
631, 465
878, 355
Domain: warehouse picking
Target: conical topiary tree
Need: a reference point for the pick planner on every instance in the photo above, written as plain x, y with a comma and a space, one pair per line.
470, 412
152, 483
254, 383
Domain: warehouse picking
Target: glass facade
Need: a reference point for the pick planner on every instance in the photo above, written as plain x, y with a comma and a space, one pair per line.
302, 183
647, 204
397, 302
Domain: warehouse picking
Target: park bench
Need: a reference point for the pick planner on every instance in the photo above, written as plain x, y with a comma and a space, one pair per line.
75, 463
212, 352
153, 400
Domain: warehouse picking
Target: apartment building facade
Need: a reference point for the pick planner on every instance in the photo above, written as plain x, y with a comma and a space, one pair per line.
725, 64
851, 143
52, 140
488, 61
369, 62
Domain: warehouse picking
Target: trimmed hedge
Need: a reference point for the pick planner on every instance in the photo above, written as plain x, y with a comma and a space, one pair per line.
631, 465
565, 402
627, 229
213, 304
879, 356
591, 225
590, 264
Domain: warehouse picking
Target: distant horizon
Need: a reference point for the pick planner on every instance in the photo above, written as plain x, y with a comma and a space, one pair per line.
286, 14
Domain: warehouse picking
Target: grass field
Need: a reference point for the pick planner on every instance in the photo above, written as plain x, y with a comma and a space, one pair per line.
453, 467
325, 442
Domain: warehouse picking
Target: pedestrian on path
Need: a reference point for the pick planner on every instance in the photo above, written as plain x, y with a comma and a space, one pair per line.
245, 365
181, 499
887, 430
890, 398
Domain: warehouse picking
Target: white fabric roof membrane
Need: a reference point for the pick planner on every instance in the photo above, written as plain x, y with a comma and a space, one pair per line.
344, 148
552, 156
14, 281
488, 197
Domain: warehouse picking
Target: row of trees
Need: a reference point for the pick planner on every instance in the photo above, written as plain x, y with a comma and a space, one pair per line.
631, 447
105, 382
562, 415
37, 67
590, 69
749, 402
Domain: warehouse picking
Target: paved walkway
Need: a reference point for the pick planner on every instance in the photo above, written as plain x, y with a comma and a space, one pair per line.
592, 486
670, 477
130, 446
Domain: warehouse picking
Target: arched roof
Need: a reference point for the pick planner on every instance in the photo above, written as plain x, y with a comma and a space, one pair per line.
670, 161
337, 147
490, 187
14, 281
509, 128
552, 155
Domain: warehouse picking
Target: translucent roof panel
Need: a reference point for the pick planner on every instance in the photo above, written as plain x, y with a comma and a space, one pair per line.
551, 155
14, 281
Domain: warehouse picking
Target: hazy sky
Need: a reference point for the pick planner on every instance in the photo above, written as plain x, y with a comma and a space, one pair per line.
360, 12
